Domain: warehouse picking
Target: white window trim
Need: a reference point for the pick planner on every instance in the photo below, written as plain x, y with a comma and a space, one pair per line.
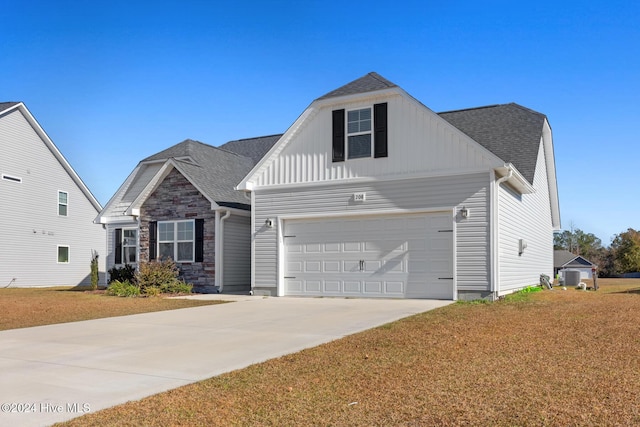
136, 246
176, 241
65, 204
12, 178
58, 254
348, 134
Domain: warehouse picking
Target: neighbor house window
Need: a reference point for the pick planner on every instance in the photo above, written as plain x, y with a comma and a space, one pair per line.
176, 240
63, 254
359, 133
63, 203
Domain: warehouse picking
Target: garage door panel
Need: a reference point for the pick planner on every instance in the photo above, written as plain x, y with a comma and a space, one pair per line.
393, 256
372, 287
314, 286
332, 266
394, 288
332, 286
352, 287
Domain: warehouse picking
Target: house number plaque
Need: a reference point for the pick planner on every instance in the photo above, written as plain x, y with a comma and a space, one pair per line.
359, 197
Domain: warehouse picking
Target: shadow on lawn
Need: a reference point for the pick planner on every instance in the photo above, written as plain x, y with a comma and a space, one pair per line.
629, 291
80, 288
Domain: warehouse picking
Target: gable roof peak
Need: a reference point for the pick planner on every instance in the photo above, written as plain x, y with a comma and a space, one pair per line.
368, 83
7, 105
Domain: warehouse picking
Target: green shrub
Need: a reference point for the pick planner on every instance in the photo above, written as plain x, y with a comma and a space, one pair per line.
161, 275
152, 291
123, 289
95, 275
177, 287
126, 273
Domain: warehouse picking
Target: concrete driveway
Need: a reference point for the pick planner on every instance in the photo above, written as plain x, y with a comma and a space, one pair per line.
54, 373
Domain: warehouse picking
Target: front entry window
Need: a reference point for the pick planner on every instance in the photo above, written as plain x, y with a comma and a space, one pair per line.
129, 245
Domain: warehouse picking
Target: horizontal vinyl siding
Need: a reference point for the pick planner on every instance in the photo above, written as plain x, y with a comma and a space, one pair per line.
525, 217
419, 142
30, 226
237, 253
388, 197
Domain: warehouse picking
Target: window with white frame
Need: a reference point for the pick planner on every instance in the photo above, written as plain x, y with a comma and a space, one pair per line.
63, 254
176, 240
63, 203
359, 133
129, 245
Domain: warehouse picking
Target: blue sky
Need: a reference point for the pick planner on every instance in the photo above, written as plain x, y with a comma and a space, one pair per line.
114, 82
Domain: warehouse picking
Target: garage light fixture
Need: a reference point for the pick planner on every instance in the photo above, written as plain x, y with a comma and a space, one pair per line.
464, 212
268, 223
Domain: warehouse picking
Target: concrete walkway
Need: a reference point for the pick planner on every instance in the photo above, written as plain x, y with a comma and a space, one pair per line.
54, 373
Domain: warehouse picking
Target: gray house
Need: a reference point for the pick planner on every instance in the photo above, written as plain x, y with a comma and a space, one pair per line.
47, 211
369, 193
181, 203
564, 261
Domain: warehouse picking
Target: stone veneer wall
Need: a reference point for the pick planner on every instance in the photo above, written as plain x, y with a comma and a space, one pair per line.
177, 199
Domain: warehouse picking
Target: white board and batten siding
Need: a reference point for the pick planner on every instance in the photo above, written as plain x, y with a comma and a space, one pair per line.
385, 200
430, 146
525, 217
30, 225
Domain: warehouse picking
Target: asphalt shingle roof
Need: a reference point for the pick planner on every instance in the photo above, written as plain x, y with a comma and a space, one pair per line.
7, 105
565, 258
213, 170
254, 148
368, 83
510, 131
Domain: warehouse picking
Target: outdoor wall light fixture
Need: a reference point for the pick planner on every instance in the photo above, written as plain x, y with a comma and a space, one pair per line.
268, 223
464, 212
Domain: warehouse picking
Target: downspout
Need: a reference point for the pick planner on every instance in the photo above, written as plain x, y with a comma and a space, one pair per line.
219, 257
496, 234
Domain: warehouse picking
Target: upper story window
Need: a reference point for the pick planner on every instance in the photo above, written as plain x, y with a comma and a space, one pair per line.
176, 240
360, 133
63, 203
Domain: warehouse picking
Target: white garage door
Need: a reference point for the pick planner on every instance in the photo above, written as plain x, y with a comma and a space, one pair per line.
407, 256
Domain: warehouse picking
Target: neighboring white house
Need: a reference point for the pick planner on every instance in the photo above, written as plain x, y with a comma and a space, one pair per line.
46, 220
371, 194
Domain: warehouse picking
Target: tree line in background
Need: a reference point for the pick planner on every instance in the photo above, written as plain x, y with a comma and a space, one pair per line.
622, 256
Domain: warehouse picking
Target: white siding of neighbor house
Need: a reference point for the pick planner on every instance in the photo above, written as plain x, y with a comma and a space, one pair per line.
420, 142
444, 193
30, 227
237, 254
525, 217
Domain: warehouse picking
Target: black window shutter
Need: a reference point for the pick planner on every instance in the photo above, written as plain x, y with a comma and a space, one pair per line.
380, 130
338, 135
118, 246
199, 240
153, 239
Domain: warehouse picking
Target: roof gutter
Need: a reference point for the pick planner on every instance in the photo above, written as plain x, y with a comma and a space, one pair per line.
495, 235
219, 248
